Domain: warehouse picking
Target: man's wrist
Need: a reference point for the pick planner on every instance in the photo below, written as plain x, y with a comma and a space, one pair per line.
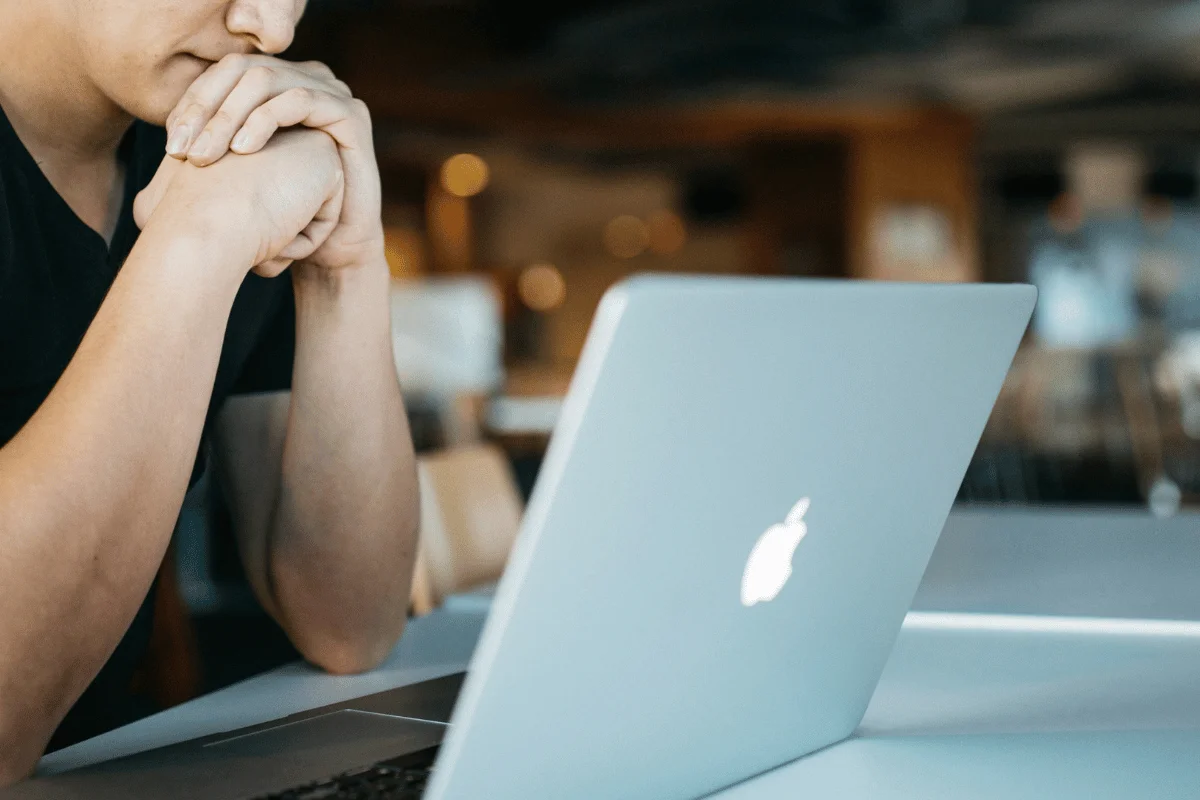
213, 238
320, 290
200, 248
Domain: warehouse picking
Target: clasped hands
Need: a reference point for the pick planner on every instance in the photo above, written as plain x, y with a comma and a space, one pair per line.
275, 161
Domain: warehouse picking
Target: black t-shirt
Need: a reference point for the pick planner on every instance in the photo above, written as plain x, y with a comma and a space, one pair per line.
54, 274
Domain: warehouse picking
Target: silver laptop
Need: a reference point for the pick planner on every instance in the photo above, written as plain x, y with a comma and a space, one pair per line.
746, 483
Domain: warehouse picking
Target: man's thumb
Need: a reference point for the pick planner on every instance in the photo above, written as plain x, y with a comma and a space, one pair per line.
149, 198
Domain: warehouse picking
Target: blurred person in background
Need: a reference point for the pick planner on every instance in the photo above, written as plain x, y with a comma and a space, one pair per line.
126, 357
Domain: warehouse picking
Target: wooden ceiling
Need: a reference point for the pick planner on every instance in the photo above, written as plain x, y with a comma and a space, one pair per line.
418, 68
521, 68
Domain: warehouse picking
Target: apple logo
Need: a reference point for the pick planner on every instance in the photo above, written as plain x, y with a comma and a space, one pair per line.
770, 562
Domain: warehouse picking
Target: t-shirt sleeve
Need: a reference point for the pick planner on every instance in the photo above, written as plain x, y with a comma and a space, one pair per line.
268, 368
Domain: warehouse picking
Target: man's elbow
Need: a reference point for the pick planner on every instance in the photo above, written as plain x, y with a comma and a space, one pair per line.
351, 655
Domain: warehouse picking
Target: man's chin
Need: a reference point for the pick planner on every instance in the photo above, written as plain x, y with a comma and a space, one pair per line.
174, 81
152, 113
156, 107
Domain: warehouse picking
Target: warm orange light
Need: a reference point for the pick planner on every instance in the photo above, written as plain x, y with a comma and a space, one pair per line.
626, 237
667, 233
450, 230
403, 248
465, 175
542, 287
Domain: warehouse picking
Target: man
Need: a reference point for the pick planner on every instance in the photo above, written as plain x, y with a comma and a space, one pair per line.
124, 356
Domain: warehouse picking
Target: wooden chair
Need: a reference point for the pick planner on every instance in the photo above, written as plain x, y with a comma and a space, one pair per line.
470, 513
170, 671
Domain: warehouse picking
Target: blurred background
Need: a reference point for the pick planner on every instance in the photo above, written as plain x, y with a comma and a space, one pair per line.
534, 153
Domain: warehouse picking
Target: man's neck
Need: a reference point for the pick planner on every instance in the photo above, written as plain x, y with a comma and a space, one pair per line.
69, 127
57, 111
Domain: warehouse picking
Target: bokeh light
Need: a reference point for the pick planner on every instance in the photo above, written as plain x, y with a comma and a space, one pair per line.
465, 175
542, 287
403, 248
626, 237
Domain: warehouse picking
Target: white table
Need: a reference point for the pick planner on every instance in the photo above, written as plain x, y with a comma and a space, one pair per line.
1073, 706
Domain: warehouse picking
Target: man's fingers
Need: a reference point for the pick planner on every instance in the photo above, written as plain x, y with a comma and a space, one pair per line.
272, 268
290, 108
201, 101
227, 71
203, 124
254, 89
299, 106
320, 71
317, 232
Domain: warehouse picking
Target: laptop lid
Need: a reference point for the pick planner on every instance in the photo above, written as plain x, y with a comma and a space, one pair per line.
636, 647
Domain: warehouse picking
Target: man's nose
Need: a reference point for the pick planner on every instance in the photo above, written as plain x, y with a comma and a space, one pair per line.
268, 24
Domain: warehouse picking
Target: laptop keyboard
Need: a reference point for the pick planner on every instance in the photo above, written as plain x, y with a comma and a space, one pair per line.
402, 778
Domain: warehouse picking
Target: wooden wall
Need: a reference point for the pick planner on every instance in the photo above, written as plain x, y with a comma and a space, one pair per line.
928, 167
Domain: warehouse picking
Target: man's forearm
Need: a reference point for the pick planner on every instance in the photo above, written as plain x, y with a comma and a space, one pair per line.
343, 537
90, 488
